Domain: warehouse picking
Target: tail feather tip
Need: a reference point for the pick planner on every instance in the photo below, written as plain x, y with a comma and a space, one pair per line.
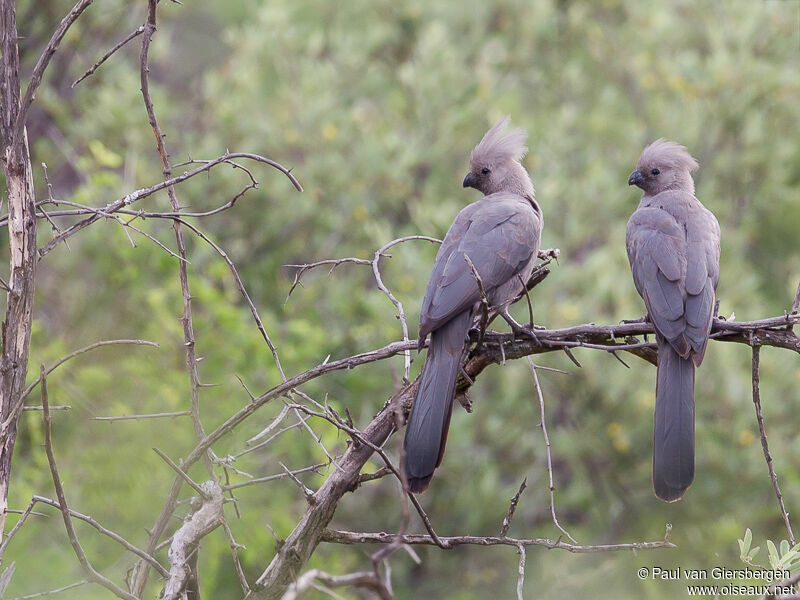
418, 485
668, 493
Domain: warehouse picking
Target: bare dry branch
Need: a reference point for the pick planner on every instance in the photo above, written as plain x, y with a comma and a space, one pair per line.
521, 572
242, 291
80, 351
237, 564
186, 319
307, 492
311, 468
39, 69
53, 592
765, 446
17, 526
267, 430
512, 506
180, 413
361, 579
302, 269
351, 537
195, 486
136, 32
127, 200
205, 519
90, 571
398, 305
93, 522
543, 425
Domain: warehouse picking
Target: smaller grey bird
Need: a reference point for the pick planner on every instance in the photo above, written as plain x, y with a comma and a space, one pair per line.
673, 248
500, 234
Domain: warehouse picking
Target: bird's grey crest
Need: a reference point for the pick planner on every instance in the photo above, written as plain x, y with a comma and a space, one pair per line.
497, 148
665, 154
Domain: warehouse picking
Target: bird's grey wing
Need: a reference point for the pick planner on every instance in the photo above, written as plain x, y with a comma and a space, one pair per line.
657, 251
501, 237
449, 245
702, 275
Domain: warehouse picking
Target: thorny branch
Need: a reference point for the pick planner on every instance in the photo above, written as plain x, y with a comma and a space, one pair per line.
136, 32
352, 537
90, 571
543, 425
39, 69
53, 592
765, 446
374, 263
120, 204
86, 519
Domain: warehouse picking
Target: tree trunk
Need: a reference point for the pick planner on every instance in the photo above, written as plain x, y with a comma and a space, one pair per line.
16, 328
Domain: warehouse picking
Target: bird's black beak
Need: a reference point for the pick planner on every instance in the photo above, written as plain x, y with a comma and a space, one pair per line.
470, 180
636, 179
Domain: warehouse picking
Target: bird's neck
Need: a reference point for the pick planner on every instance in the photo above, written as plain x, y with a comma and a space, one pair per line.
682, 182
519, 182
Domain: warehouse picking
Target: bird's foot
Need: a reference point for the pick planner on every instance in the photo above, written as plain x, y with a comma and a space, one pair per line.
519, 329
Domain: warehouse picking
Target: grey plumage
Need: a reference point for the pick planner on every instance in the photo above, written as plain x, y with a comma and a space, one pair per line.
673, 245
500, 233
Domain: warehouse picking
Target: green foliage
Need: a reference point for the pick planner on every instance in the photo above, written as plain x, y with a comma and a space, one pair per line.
785, 559
376, 105
746, 553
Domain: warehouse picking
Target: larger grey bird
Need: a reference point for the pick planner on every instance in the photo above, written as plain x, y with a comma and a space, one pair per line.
500, 234
673, 248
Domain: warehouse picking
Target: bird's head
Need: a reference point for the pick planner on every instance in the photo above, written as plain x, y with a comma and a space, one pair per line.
664, 166
494, 165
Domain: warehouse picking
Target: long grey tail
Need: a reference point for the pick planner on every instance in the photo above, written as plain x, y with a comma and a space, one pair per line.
673, 437
426, 431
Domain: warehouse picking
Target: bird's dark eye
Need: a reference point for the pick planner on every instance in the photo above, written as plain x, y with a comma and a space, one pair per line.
486, 171
655, 172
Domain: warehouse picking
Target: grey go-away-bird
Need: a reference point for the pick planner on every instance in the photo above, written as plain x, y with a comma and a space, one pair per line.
673, 248
500, 234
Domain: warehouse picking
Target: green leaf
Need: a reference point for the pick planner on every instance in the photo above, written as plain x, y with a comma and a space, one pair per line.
744, 544
774, 560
